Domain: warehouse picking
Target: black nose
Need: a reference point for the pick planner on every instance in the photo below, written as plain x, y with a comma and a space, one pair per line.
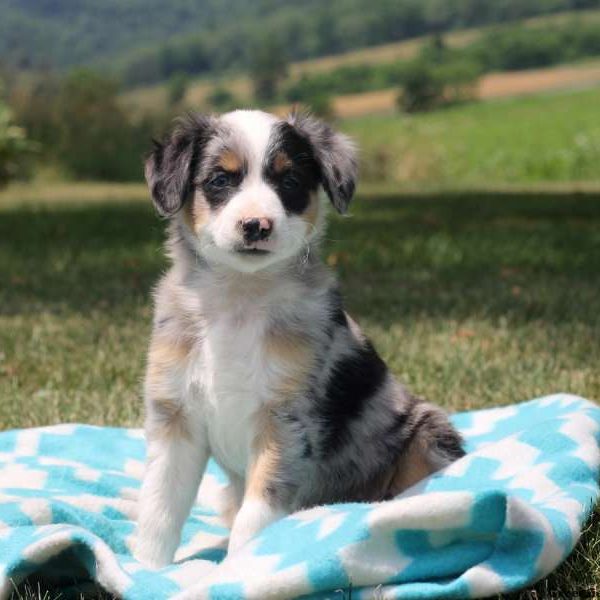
256, 229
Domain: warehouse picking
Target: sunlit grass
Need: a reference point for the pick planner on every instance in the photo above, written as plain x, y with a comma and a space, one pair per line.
550, 137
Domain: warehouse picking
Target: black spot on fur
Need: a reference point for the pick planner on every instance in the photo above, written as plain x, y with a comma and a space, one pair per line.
307, 450
294, 184
355, 378
338, 316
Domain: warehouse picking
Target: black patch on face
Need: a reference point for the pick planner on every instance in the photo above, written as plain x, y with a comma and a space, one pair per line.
354, 380
295, 183
219, 185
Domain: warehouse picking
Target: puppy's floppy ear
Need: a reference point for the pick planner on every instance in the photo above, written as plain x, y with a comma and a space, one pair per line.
170, 167
336, 155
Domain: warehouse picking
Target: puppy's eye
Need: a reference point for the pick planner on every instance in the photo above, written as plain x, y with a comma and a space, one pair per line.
290, 182
219, 180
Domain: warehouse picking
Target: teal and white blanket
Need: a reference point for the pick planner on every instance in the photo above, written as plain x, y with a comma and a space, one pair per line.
497, 520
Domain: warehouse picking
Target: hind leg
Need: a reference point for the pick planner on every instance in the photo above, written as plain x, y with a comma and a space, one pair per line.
434, 445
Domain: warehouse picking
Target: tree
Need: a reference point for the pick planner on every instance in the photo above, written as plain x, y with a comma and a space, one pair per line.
268, 67
96, 141
221, 99
177, 88
422, 89
427, 85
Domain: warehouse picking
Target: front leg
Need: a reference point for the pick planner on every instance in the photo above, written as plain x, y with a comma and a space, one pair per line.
263, 502
177, 452
175, 464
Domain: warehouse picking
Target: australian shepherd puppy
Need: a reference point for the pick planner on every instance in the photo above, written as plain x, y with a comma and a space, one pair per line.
252, 358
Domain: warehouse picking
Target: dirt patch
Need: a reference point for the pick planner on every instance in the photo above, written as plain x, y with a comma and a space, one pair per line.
502, 85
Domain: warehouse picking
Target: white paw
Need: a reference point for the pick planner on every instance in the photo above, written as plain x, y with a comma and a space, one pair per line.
153, 552
252, 518
237, 539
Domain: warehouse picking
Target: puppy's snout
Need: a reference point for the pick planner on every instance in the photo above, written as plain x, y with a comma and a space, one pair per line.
256, 229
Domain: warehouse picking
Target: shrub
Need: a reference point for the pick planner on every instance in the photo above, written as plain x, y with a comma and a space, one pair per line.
177, 88
15, 148
426, 85
221, 99
95, 139
422, 88
268, 67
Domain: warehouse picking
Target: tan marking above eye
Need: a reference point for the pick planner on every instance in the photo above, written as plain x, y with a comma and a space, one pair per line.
281, 162
230, 161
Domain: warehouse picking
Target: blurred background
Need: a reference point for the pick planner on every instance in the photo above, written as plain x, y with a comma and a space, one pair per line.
85, 84
471, 255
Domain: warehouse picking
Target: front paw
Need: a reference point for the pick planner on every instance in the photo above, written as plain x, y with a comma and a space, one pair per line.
252, 518
238, 538
154, 551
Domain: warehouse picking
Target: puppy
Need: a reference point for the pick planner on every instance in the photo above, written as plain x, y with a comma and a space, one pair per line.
252, 358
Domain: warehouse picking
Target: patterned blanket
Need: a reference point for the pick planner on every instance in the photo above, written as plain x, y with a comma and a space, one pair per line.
497, 520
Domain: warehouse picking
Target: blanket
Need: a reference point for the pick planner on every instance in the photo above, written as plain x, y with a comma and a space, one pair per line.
497, 520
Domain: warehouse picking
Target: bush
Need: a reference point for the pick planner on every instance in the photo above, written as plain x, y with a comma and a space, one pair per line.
426, 85
422, 88
15, 148
520, 48
177, 88
321, 106
221, 99
95, 139
268, 67
79, 124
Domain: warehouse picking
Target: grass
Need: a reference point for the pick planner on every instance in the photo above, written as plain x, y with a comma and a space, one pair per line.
541, 138
475, 299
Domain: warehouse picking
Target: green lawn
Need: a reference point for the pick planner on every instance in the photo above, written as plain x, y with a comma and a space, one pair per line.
549, 137
474, 299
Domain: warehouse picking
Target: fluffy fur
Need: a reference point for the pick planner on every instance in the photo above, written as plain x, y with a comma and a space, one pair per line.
253, 359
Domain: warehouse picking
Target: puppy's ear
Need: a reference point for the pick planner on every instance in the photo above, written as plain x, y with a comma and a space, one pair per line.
170, 167
336, 155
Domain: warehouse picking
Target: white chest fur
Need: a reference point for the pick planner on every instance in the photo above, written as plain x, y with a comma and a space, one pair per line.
234, 384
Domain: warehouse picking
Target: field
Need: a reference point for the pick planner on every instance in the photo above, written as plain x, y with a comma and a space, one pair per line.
154, 97
474, 299
492, 86
540, 138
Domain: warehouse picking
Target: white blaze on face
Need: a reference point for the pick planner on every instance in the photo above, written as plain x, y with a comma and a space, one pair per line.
254, 128
255, 198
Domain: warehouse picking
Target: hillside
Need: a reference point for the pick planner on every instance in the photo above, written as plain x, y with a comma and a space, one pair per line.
142, 42
153, 98
535, 139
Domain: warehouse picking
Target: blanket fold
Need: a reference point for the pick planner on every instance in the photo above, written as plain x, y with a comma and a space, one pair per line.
497, 520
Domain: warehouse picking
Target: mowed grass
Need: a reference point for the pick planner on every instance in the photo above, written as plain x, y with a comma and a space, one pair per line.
541, 138
474, 300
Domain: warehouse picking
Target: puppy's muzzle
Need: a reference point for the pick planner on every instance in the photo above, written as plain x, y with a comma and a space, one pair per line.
256, 229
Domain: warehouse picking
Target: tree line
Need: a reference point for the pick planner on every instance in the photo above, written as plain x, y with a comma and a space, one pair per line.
142, 41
